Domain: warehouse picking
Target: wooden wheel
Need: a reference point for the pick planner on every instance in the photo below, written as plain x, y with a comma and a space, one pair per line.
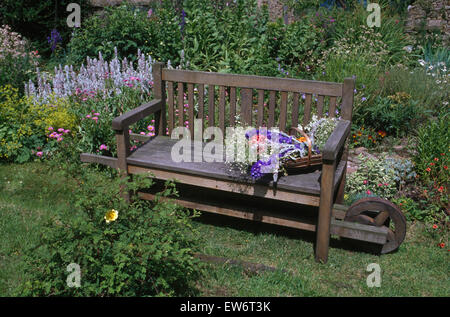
380, 212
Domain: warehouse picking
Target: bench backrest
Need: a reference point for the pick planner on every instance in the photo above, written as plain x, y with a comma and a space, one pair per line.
216, 99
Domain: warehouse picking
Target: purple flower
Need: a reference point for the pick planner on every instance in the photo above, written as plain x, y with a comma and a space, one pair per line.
54, 39
363, 99
149, 13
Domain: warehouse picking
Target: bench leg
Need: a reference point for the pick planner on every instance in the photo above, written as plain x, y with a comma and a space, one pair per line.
325, 209
341, 189
123, 150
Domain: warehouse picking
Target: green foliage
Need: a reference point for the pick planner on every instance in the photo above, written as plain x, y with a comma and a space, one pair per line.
36, 19
25, 125
397, 114
366, 136
415, 211
429, 91
128, 29
146, 251
403, 170
17, 61
432, 152
372, 177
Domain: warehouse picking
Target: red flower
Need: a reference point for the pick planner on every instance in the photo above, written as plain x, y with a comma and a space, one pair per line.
442, 245
441, 189
436, 159
435, 226
445, 167
428, 169
431, 164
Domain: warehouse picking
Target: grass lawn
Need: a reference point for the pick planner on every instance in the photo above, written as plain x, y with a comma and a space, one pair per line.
31, 192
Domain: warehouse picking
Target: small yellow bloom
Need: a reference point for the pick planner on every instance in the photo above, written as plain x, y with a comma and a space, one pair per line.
111, 215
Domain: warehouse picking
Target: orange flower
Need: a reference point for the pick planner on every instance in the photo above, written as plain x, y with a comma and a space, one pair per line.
302, 139
359, 133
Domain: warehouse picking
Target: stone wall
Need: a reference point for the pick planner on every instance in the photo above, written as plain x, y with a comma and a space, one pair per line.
429, 15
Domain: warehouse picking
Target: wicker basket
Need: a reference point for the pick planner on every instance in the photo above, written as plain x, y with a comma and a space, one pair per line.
303, 162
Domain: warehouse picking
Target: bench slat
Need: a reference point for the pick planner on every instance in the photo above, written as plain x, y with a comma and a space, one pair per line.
180, 93
272, 104
332, 109
191, 109
295, 106
307, 109
246, 105
320, 100
283, 110
260, 115
171, 107
222, 109
211, 110
232, 106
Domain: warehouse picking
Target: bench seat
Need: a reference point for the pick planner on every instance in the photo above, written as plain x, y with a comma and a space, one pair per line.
155, 154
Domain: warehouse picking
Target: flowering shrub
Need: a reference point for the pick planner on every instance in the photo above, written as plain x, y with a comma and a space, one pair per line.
432, 152
16, 60
98, 77
56, 113
366, 137
373, 177
395, 114
142, 249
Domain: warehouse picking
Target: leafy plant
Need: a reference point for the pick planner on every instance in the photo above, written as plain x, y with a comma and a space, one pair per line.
141, 249
17, 60
403, 170
127, 29
372, 177
432, 152
395, 114
36, 19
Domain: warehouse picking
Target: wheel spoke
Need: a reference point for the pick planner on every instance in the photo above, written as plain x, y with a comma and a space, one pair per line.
381, 218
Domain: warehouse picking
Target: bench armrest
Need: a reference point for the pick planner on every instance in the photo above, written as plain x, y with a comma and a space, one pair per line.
124, 121
336, 141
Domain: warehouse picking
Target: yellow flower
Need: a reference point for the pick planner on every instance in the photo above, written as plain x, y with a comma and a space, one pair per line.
111, 215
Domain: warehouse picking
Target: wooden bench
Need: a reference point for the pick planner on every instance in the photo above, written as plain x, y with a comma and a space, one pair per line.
208, 186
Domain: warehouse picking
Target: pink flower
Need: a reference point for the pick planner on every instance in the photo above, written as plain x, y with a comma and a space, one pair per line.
365, 182
66, 131
60, 130
143, 133
88, 116
39, 154
59, 139
103, 147
50, 128
369, 192
96, 114
379, 185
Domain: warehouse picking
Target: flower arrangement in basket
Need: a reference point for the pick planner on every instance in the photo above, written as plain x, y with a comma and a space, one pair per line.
276, 151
